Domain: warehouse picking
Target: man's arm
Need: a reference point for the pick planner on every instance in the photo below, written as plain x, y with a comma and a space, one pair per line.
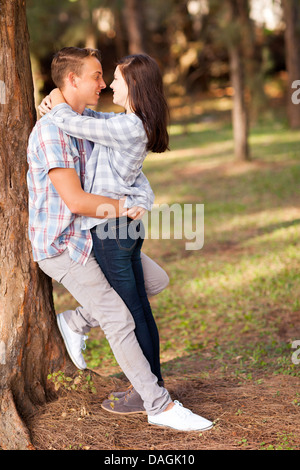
68, 186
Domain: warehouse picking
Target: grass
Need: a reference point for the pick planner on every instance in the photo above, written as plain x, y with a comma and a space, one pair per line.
231, 311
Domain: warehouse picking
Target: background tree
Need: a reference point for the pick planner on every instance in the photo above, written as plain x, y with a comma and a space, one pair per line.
30, 345
229, 30
135, 21
240, 116
291, 10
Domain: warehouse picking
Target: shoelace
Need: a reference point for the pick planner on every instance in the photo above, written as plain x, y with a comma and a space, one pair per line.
82, 343
180, 410
129, 392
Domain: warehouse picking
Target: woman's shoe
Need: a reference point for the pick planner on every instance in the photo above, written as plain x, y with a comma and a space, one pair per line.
131, 403
122, 394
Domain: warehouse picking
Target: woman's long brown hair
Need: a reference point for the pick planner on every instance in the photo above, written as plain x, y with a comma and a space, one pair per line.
147, 99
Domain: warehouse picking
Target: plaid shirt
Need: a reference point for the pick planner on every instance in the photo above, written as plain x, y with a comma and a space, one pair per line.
52, 226
114, 168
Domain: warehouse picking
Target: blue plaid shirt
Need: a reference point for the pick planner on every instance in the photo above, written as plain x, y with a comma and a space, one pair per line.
52, 226
114, 168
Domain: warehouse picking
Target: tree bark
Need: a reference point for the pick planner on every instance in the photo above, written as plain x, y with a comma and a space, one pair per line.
134, 18
240, 111
254, 79
291, 11
91, 28
30, 344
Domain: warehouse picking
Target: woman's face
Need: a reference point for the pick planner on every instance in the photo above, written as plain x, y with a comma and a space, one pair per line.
120, 89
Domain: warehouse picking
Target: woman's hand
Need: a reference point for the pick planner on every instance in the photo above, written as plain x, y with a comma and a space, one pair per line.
45, 105
56, 97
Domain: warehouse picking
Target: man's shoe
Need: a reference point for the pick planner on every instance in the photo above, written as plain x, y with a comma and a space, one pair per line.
180, 418
131, 403
74, 342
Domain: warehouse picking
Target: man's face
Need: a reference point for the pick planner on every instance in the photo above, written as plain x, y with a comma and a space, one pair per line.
90, 82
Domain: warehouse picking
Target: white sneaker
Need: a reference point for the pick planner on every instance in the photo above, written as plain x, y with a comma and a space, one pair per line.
74, 342
180, 418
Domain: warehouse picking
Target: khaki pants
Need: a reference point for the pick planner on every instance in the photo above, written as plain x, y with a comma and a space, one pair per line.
101, 306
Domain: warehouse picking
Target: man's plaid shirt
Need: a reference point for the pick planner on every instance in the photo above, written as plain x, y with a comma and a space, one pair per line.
52, 226
114, 168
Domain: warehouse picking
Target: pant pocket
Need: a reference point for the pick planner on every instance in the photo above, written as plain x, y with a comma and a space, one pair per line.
56, 267
128, 234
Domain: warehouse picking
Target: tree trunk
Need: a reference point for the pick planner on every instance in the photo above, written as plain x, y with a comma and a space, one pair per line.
291, 11
254, 79
91, 32
240, 111
134, 18
121, 36
30, 344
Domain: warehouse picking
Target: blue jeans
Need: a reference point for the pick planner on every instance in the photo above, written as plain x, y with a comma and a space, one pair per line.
117, 247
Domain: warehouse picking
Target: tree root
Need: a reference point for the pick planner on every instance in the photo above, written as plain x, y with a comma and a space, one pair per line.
14, 434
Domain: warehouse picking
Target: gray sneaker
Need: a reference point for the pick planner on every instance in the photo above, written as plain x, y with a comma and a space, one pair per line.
113, 395
131, 403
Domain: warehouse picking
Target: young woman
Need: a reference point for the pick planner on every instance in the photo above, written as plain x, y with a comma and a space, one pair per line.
121, 143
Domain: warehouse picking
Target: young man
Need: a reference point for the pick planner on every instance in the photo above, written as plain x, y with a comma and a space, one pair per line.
57, 199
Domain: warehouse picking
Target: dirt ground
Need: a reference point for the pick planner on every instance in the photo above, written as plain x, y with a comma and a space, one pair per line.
247, 416
261, 412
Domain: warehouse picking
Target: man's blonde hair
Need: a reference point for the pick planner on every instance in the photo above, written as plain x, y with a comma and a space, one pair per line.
70, 59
